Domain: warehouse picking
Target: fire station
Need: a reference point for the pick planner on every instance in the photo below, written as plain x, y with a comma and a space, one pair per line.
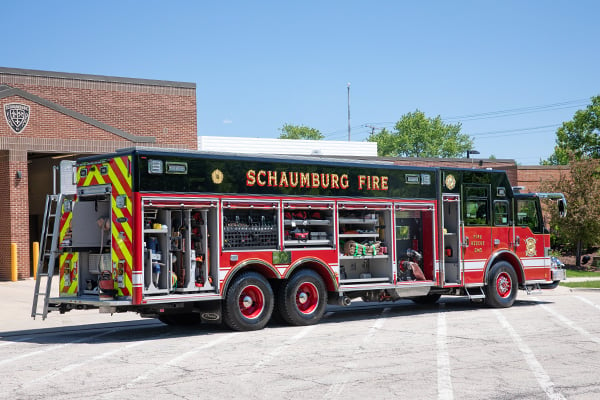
53, 116
50, 117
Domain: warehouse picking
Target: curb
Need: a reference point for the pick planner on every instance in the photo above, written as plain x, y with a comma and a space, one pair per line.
582, 289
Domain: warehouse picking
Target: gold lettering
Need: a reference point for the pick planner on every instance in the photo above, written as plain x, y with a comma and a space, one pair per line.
384, 183
283, 181
344, 181
293, 179
361, 181
315, 180
375, 183
250, 177
325, 181
335, 181
304, 179
260, 178
272, 177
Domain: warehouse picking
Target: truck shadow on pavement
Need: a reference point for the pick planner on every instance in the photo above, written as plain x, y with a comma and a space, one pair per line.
151, 329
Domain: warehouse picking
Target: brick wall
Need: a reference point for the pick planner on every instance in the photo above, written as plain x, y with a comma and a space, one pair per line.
163, 110
532, 177
5, 235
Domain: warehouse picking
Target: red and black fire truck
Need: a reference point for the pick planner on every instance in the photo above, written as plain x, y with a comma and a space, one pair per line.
194, 236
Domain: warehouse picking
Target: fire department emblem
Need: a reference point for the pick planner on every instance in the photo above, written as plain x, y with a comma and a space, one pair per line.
450, 181
530, 249
17, 116
217, 176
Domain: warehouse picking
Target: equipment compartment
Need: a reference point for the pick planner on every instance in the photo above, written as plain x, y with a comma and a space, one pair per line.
308, 225
176, 250
364, 253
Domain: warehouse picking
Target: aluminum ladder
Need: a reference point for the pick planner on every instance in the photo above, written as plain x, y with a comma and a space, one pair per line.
48, 253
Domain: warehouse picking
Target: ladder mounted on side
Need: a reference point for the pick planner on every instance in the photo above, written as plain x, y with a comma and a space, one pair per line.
48, 254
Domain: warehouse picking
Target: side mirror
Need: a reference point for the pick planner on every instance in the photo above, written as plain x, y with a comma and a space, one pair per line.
562, 208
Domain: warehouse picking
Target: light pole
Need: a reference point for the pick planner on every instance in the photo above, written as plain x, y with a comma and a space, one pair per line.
348, 111
469, 152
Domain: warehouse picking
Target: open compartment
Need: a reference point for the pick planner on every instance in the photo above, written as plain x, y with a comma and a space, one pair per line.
177, 255
308, 225
364, 231
415, 241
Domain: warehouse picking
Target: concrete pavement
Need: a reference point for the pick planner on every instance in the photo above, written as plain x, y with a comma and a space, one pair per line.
17, 299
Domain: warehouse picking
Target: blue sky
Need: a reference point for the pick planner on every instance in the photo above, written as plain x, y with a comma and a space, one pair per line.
258, 65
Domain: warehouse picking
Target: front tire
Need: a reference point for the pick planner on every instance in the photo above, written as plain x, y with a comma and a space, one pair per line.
502, 285
248, 304
303, 298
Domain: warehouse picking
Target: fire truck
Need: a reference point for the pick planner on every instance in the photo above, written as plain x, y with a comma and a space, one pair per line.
190, 237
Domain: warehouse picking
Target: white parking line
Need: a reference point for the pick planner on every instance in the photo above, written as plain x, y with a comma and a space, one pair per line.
335, 390
444, 379
587, 301
174, 361
570, 323
55, 347
538, 371
15, 341
277, 350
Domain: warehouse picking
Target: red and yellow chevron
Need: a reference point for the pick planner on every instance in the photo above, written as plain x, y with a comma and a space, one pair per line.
116, 172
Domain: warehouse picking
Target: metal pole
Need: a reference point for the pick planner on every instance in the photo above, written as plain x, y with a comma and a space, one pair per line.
54, 169
348, 111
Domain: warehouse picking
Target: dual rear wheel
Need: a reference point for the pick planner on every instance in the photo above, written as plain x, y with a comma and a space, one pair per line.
250, 300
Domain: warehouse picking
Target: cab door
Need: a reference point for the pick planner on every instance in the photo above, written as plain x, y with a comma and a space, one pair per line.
502, 232
477, 235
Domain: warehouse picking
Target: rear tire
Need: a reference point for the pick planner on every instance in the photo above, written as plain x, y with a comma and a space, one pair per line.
502, 285
248, 304
303, 298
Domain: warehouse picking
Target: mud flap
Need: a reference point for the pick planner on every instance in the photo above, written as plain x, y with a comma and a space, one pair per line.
210, 312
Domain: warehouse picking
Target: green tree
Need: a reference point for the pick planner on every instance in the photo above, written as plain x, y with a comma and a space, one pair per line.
578, 138
581, 227
300, 132
415, 135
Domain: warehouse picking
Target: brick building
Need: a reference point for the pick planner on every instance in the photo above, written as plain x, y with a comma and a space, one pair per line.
53, 116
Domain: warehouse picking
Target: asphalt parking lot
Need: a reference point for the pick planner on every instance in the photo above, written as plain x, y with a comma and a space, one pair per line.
546, 346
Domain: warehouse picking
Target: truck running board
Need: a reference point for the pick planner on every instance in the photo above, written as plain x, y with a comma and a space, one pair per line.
475, 293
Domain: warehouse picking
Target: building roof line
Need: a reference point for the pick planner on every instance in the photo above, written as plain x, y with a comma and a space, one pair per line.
95, 78
6, 91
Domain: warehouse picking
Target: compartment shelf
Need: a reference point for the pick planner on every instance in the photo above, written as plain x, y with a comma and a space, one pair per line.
311, 242
365, 280
370, 221
156, 230
307, 222
382, 256
359, 235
